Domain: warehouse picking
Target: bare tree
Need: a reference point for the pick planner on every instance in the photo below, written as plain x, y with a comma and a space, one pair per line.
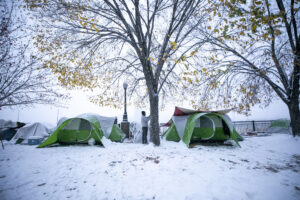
21, 83
94, 43
254, 55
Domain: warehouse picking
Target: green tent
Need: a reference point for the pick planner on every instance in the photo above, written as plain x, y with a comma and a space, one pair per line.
81, 129
191, 126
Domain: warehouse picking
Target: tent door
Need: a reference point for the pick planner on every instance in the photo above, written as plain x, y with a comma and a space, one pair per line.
204, 129
85, 132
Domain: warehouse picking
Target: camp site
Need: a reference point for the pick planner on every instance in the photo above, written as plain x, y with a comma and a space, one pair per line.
86, 156
149, 99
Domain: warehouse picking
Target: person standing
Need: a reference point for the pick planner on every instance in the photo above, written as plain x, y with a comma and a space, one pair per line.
144, 121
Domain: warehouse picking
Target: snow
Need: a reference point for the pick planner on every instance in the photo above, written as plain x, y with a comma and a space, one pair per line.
264, 168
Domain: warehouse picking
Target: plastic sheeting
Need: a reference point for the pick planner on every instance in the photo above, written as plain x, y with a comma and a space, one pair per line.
36, 129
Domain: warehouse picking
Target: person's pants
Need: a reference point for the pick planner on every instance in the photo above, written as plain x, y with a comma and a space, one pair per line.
145, 131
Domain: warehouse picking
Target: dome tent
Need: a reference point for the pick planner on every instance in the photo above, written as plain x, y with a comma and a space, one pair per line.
191, 125
8, 129
84, 127
60, 121
7, 133
8, 124
36, 129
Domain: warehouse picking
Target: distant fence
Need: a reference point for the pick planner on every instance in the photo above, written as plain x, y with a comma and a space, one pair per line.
246, 126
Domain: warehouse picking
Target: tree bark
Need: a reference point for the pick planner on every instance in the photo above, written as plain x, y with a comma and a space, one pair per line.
294, 99
154, 120
295, 117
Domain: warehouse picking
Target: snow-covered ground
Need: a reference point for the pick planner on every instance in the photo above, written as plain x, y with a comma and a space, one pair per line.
264, 168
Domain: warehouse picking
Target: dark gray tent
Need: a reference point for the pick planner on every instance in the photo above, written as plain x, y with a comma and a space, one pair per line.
9, 128
7, 133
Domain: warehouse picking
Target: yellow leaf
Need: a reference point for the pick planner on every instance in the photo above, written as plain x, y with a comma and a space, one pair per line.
83, 18
253, 28
204, 69
173, 43
277, 32
216, 31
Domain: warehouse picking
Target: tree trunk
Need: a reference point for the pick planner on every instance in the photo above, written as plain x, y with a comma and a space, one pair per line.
294, 99
295, 116
154, 120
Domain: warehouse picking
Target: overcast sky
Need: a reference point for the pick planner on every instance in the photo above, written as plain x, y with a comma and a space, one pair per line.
80, 104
